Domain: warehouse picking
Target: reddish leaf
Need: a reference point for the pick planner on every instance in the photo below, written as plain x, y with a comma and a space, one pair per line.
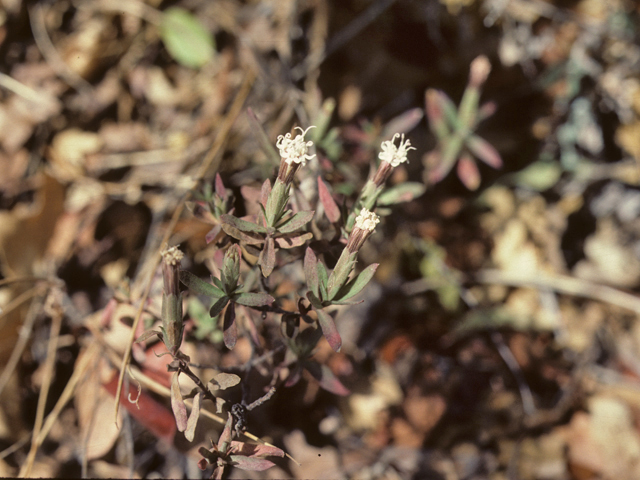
177, 404
329, 330
267, 259
296, 222
250, 463
212, 234
219, 187
484, 151
435, 115
230, 328
190, 432
468, 172
148, 412
311, 269
255, 450
330, 207
264, 192
326, 378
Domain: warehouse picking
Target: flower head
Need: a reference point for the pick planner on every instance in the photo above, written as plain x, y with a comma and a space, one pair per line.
295, 150
395, 155
367, 220
365, 224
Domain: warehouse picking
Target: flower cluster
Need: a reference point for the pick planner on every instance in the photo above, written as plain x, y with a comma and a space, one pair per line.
391, 157
366, 222
294, 153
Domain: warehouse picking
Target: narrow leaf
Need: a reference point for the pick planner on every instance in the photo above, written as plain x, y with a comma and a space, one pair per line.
292, 240
311, 269
256, 299
147, 335
256, 450
296, 222
435, 114
403, 192
468, 172
323, 279
217, 307
484, 151
242, 225
230, 327
250, 238
330, 207
190, 431
405, 122
196, 285
177, 404
329, 330
326, 378
315, 301
185, 38
220, 190
267, 259
357, 284
250, 463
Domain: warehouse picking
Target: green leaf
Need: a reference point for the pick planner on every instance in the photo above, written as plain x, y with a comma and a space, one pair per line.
539, 176
254, 299
186, 39
403, 192
296, 222
230, 327
252, 238
323, 278
199, 286
217, 307
355, 286
242, 225
315, 301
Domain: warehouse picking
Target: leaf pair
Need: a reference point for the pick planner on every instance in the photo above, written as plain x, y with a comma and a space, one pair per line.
335, 289
454, 129
244, 456
226, 291
274, 229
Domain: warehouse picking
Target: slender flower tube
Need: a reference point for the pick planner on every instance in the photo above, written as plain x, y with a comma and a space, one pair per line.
172, 326
366, 222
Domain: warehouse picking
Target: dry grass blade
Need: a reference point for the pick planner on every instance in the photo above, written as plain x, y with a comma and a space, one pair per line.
56, 324
564, 284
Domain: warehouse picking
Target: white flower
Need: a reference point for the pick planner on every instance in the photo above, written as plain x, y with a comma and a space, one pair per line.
395, 155
295, 151
367, 220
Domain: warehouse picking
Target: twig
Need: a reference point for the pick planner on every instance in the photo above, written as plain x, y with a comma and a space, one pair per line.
211, 160
563, 284
56, 324
262, 399
528, 405
51, 55
21, 344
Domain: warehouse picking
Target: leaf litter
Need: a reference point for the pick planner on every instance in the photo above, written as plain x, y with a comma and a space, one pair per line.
501, 339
